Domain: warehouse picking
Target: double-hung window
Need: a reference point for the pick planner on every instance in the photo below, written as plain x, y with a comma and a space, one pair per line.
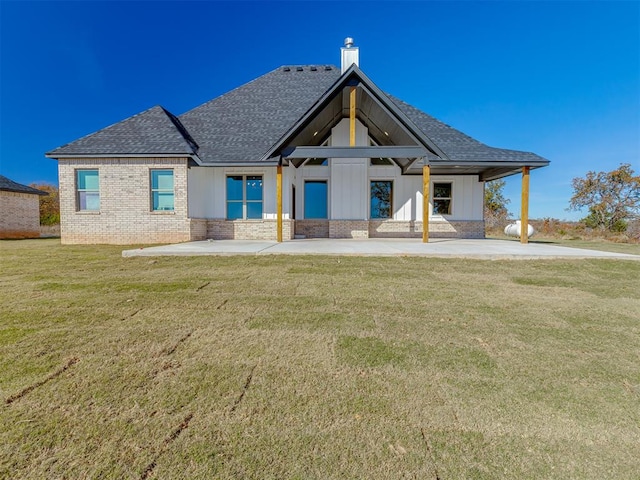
442, 198
88, 190
162, 194
244, 197
381, 197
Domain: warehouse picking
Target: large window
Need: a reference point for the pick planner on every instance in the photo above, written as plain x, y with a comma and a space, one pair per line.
244, 197
442, 199
162, 195
315, 199
381, 195
88, 190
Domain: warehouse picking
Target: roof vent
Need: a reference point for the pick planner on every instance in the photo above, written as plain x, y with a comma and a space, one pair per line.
286, 69
327, 67
299, 69
312, 68
350, 54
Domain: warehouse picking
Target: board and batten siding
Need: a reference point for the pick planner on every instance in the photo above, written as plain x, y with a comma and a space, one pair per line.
348, 182
208, 190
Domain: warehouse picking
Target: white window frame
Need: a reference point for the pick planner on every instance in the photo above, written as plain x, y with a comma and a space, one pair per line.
86, 190
159, 190
450, 198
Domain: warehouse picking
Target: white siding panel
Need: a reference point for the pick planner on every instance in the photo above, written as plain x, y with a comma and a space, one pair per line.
467, 196
349, 189
218, 207
220, 199
407, 197
341, 132
200, 182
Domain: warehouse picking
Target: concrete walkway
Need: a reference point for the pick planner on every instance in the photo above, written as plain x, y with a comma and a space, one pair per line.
444, 247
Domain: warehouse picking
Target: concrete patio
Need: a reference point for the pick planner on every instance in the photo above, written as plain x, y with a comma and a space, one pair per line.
481, 249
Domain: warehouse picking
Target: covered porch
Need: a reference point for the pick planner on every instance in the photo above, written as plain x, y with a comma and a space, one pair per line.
379, 130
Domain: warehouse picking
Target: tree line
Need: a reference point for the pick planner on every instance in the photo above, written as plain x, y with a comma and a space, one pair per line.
611, 199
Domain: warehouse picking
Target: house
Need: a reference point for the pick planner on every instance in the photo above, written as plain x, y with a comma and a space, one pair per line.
19, 210
300, 152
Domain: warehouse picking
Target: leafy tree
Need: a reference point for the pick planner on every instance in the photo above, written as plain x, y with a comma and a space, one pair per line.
495, 203
49, 204
612, 198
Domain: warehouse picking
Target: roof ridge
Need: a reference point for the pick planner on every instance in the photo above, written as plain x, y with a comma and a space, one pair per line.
182, 129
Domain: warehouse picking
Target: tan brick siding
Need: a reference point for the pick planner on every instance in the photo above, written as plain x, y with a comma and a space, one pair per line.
394, 229
348, 229
198, 229
437, 229
19, 215
219, 229
312, 228
125, 215
456, 229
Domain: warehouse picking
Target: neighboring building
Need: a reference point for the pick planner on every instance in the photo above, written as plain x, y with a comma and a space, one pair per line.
19, 210
303, 151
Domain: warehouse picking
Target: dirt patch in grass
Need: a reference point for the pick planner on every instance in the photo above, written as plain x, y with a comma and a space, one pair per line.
306, 367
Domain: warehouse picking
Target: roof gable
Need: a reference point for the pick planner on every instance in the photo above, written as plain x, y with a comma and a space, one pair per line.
378, 112
152, 132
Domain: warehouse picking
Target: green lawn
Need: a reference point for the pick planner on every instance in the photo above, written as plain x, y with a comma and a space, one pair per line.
315, 367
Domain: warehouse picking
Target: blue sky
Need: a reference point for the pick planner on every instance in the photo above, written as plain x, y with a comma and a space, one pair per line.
561, 79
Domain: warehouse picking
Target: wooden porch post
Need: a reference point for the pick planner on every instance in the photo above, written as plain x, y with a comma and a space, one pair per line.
426, 179
279, 201
352, 117
524, 209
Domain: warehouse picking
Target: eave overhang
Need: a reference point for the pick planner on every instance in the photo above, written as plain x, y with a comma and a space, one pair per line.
66, 156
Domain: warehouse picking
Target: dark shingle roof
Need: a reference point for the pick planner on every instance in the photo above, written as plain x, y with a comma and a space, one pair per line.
154, 131
241, 125
458, 146
244, 124
11, 186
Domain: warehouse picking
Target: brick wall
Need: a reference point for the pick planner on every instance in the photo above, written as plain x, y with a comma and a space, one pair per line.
437, 229
19, 215
348, 229
394, 229
125, 215
219, 229
456, 229
198, 229
312, 228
